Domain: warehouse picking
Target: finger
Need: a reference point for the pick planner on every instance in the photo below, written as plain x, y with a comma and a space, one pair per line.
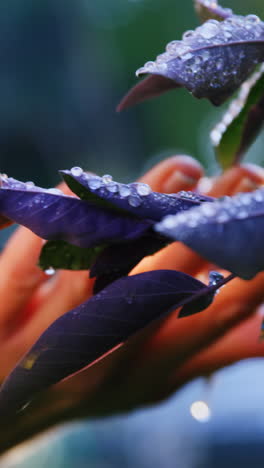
242, 342
66, 291
174, 174
178, 340
19, 276
229, 182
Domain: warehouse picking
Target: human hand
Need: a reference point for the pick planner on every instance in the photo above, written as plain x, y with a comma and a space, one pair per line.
160, 358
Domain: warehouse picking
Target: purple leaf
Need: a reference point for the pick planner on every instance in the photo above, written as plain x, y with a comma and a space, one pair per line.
136, 198
152, 86
116, 261
211, 62
54, 216
83, 335
228, 232
211, 10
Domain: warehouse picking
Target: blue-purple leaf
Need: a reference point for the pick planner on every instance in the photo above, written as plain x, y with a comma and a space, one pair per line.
228, 232
118, 260
207, 9
83, 335
136, 198
54, 216
211, 62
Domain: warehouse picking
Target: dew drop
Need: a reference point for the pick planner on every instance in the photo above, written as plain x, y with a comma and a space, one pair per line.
253, 19
112, 187
187, 56
76, 171
50, 271
143, 189
187, 35
209, 30
124, 190
215, 277
172, 46
30, 184
200, 411
107, 179
94, 183
134, 201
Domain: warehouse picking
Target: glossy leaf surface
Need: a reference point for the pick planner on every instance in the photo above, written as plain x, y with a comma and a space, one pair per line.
227, 232
211, 62
83, 335
55, 216
136, 198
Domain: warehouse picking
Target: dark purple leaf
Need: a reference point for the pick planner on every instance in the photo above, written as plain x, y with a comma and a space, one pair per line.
228, 232
55, 216
242, 122
207, 9
136, 198
211, 62
83, 335
152, 86
216, 280
118, 260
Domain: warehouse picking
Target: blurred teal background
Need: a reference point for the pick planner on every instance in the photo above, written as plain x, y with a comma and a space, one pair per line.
64, 66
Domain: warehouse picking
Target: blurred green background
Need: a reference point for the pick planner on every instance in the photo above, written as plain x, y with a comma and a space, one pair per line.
64, 66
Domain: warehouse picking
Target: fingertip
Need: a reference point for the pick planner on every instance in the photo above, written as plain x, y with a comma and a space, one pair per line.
180, 172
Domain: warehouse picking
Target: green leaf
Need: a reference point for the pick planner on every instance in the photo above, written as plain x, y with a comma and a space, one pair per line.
241, 124
61, 255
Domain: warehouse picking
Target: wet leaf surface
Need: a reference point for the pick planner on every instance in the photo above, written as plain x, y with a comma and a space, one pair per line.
210, 62
54, 216
80, 337
228, 232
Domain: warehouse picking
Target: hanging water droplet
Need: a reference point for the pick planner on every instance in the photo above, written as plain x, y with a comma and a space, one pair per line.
134, 201
143, 189
76, 171
200, 411
214, 277
50, 271
94, 183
